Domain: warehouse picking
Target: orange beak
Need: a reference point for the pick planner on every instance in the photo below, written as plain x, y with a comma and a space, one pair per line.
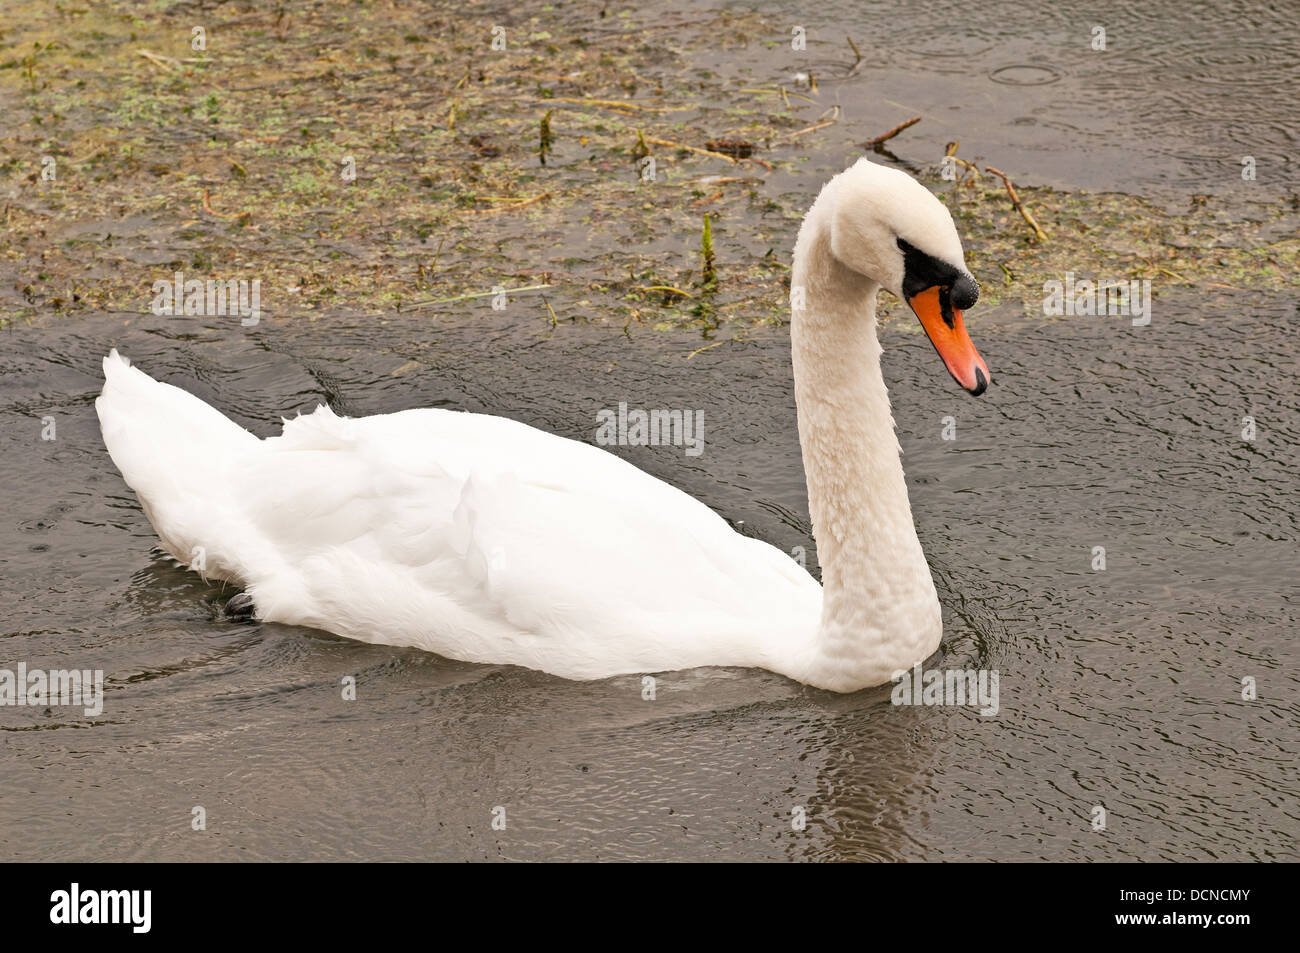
947, 333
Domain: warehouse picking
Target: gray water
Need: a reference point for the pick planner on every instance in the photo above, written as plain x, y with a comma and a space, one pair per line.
1183, 91
1119, 688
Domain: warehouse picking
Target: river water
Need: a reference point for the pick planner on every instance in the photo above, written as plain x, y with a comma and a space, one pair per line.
1181, 93
1119, 688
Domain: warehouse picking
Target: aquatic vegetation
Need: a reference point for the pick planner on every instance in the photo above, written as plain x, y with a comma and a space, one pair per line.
708, 269
240, 153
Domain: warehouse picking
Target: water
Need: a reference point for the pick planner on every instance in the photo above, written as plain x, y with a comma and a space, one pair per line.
1119, 688
1180, 94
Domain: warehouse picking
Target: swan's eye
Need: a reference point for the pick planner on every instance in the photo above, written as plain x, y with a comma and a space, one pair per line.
922, 270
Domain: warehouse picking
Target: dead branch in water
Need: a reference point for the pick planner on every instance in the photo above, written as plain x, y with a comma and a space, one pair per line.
416, 305
721, 179
682, 145
207, 207
880, 140
820, 125
664, 288
1019, 206
165, 62
504, 208
782, 92
614, 104
951, 153
857, 56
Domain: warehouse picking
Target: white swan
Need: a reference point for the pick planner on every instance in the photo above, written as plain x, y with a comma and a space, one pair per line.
482, 539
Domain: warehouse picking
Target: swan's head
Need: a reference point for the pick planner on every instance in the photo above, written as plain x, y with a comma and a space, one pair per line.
891, 229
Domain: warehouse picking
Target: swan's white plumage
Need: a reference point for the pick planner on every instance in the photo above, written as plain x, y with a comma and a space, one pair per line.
482, 539
472, 536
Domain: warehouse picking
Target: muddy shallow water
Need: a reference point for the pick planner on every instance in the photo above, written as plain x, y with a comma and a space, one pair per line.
1180, 94
1119, 688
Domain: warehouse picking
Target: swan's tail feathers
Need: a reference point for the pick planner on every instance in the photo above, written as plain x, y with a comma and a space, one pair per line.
173, 450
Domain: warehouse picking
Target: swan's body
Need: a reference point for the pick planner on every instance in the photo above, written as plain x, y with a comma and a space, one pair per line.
485, 540
472, 536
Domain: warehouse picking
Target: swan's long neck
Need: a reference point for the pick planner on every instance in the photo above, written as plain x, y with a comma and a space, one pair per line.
880, 613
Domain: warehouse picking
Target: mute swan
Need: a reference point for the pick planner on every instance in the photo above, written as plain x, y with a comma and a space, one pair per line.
485, 540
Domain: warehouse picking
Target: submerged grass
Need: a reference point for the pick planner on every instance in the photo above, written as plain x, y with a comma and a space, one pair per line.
375, 156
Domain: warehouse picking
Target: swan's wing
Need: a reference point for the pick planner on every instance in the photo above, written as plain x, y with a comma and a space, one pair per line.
481, 538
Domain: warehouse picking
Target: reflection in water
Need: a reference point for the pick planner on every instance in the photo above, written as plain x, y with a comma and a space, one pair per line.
1118, 688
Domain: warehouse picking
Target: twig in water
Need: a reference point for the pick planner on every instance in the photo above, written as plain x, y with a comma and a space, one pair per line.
1019, 206
479, 294
776, 92
951, 153
706, 347
813, 128
207, 206
434, 264
504, 208
669, 288
615, 104
681, 145
880, 140
164, 62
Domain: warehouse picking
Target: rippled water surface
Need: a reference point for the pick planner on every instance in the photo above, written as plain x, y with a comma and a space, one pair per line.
1180, 94
1119, 688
